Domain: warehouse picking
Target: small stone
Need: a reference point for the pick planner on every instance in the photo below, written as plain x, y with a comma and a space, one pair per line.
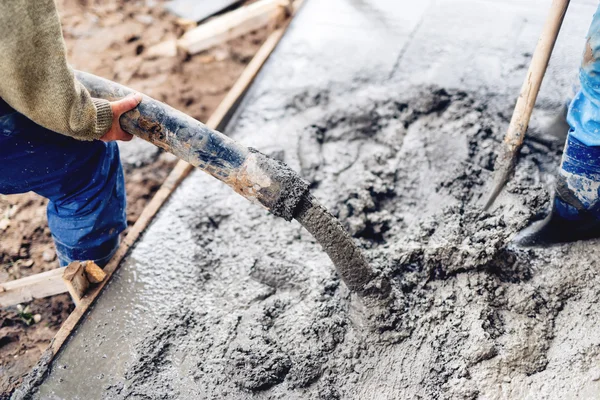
14, 271
4, 223
144, 19
49, 255
221, 54
13, 210
206, 58
163, 49
37, 318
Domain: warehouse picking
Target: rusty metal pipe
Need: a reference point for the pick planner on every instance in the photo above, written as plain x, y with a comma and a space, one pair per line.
250, 173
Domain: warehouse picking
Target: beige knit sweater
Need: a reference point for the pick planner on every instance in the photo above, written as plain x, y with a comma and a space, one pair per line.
35, 78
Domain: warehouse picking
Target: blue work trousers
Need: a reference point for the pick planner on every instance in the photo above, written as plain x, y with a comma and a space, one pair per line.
82, 180
578, 186
584, 111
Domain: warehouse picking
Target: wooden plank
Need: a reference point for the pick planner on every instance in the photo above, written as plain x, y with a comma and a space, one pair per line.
76, 281
197, 10
45, 284
177, 175
233, 24
37, 286
224, 28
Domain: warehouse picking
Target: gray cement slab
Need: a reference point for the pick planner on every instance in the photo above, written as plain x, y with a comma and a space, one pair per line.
211, 242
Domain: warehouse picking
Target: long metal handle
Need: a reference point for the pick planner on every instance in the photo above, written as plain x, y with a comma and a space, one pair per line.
255, 176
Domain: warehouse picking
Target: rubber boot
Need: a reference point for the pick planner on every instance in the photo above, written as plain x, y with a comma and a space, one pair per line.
576, 206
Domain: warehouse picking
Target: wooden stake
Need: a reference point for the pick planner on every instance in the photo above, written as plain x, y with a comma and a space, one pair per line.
76, 281
94, 273
46, 284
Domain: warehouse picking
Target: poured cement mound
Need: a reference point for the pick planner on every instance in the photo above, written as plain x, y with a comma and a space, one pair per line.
265, 315
223, 301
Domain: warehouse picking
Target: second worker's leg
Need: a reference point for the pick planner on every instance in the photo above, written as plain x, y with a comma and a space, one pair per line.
576, 205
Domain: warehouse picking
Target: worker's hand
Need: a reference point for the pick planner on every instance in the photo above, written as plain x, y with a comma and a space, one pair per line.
118, 108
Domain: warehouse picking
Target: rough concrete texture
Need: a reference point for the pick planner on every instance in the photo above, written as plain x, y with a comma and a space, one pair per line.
266, 315
221, 300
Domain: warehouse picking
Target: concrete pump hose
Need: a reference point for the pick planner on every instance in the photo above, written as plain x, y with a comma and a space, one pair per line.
252, 174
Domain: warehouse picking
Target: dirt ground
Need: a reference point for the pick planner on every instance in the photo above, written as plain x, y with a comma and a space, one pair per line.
108, 38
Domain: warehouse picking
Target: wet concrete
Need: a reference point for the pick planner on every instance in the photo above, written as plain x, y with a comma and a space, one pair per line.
392, 111
348, 259
138, 153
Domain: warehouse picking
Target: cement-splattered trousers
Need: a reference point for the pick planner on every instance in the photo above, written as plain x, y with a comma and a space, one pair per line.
82, 179
578, 185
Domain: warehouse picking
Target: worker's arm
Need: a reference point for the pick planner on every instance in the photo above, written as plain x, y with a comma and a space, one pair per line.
36, 80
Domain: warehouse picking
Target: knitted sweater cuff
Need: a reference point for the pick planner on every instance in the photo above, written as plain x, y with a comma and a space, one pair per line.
104, 116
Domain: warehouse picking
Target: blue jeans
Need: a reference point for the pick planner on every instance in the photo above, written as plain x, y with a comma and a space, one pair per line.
82, 180
584, 111
578, 187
